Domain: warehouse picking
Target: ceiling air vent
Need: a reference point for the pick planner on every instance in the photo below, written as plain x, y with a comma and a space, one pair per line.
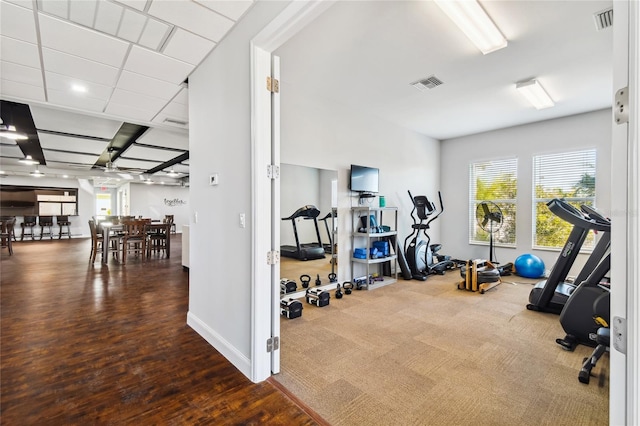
174, 121
427, 83
604, 19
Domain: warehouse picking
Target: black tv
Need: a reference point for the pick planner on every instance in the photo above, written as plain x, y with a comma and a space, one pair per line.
364, 179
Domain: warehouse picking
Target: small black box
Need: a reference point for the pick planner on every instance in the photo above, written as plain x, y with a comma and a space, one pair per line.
291, 308
318, 297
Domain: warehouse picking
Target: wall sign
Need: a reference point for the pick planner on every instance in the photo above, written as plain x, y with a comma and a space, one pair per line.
175, 202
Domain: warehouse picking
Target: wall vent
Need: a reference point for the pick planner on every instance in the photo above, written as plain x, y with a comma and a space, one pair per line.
603, 19
427, 83
174, 121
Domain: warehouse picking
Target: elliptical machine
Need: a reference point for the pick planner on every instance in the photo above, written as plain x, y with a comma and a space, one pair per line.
422, 257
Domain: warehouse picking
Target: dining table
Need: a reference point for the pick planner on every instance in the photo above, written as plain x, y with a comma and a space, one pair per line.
108, 228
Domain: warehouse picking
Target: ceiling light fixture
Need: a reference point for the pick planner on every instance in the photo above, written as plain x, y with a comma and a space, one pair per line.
535, 93
474, 22
28, 160
10, 132
36, 173
79, 88
173, 173
148, 181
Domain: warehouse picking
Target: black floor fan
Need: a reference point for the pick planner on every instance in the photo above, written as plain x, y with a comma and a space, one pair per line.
489, 217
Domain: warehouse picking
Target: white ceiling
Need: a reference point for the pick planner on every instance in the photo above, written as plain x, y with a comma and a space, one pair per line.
134, 55
131, 56
365, 54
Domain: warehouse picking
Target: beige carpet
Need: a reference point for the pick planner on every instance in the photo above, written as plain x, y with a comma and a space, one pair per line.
425, 353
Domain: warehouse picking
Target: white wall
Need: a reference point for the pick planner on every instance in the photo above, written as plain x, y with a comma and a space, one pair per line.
590, 130
319, 133
220, 306
156, 201
86, 202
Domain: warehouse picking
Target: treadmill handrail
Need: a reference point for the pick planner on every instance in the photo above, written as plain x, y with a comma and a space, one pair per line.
306, 212
567, 212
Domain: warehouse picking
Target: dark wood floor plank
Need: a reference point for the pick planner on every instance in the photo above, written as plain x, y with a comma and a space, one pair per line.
85, 343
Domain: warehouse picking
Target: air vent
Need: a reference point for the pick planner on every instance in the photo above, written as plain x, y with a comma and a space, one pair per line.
604, 19
177, 122
427, 83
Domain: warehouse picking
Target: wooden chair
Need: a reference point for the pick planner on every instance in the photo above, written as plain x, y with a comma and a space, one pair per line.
158, 238
6, 232
97, 241
13, 232
46, 223
134, 238
27, 226
63, 221
168, 218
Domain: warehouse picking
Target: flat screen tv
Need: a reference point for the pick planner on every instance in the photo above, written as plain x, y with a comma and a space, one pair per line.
364, 179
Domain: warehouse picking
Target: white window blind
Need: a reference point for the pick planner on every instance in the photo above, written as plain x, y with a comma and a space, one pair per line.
570, 176
494, 181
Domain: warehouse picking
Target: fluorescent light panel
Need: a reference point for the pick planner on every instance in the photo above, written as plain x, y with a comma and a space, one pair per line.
474, 22
533, 91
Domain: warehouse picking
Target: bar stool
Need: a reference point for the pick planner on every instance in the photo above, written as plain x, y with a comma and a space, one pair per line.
46, 222
63, 221
27, 227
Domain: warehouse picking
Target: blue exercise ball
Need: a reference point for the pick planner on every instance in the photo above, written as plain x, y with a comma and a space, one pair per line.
529, 266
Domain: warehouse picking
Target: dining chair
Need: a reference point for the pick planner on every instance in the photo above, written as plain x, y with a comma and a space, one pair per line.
168, 218
134, 238
63, 221
97, 241
27, 225
46, 225
13, 232
157, 238
6, 231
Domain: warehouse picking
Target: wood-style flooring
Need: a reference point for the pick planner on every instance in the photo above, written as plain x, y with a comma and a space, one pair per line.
91, 344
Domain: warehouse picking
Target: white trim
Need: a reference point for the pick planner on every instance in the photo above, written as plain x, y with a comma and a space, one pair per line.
291, 20
275, 215
224, 347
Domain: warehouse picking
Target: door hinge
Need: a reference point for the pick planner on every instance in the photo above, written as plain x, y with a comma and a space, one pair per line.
273, 171
621, 107
273, 344
273, 85
619, 336
273, 257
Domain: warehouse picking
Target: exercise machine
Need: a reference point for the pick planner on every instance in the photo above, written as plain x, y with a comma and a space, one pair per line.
421, 255
602, 337
479, 275
307, 251
551, 295
330, 217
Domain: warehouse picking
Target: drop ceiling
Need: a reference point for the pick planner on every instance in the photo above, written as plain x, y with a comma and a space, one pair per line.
88, 68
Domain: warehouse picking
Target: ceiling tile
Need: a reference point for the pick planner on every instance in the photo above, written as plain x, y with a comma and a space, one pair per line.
11, 151
137, 164
136, 4
72, 144
19, 52
182, 97
154, 33
21, 74
75, 166
83, 69
231, 9
137, 83
152, 64
19, 90
188, 47
67, 99
83, 12
65, 83
67, 157
108, 17
166, 138
193, 17
137, 100
79, 41
128, 112
181, 168
132, 25
143, 152
78, 124
17, 22
24, 3
57, 7
175, 110
171, 120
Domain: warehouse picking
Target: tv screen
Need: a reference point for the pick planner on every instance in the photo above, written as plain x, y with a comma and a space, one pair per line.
364, 179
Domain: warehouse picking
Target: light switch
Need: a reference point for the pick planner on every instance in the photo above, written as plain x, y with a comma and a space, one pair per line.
213, 179
243, 221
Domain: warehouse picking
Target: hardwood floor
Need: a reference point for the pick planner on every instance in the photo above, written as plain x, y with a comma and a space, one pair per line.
86, 343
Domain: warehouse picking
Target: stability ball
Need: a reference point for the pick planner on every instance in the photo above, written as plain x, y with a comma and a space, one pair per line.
529, 266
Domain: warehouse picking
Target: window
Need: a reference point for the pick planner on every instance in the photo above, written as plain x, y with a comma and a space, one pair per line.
567, 175
495, 181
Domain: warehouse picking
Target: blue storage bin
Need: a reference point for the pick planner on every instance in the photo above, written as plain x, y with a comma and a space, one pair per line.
382, 247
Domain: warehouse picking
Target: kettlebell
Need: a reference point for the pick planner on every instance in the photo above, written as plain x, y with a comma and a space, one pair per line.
318, 282
305, 280
347, 286
338, 292
333, 278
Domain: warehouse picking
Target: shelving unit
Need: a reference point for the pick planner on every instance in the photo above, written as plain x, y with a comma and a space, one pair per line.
363, 235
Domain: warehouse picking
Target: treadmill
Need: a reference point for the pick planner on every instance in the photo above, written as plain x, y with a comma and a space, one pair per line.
551, 295
331, 215
309, 251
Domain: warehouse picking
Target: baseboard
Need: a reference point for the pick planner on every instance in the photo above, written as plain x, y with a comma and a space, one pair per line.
227, 350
